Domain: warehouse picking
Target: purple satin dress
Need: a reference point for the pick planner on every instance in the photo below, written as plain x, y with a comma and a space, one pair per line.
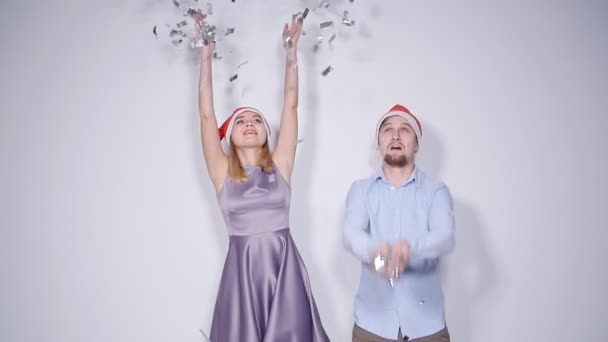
264, 294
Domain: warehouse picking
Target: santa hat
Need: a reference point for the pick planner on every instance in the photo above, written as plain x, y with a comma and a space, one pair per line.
399, 110
225, 129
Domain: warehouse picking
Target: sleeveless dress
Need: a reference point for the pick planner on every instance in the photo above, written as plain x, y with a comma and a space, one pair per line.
264, 293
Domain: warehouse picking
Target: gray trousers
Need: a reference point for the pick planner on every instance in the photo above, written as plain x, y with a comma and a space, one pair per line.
361, 335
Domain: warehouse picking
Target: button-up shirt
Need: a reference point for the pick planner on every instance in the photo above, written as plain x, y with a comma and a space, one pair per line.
420, 212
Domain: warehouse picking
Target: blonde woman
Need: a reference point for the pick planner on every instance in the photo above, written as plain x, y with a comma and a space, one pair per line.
264, 293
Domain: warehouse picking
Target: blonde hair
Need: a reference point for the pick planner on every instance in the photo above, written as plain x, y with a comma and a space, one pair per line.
237, 173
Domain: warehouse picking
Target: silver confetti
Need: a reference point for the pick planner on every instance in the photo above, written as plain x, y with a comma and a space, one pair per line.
205, 338
240, 65
194, 13
332, 38
176, 3
305, 14
208, 34
327, 24
216, 56
154, 31
176, 42
196, 43
174, 33
229, 31
182, 23
234, 77
346, 21
327, 70
324, 3
288, 42
378, 262
317, 46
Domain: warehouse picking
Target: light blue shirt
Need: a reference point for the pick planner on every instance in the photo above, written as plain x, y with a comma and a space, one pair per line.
421, 212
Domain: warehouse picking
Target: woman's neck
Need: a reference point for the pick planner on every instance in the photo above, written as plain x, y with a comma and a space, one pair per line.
249, 156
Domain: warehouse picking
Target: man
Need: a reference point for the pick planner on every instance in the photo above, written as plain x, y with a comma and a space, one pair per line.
399, 223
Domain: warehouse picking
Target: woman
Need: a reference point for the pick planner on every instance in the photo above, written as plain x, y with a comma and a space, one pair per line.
264, 292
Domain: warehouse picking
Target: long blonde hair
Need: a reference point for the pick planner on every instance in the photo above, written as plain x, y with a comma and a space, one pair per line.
237, 173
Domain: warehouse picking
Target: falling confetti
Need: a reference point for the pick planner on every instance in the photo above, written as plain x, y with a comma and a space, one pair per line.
346, 21
332, 38
154, 31
327, 24
327, 70
234, 77
205, 338
305, 14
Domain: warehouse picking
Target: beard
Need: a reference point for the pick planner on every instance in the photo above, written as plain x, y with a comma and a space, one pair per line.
396, 160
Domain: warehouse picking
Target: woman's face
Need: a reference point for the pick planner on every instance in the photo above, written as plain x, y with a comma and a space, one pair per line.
249, 130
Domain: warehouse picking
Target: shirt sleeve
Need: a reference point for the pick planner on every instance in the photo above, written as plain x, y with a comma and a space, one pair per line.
439, 240
356, 237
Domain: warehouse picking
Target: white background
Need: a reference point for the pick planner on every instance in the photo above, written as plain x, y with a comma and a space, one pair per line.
110, 230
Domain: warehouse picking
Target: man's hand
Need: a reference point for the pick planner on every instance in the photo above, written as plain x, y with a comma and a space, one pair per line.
384, 251
400, 256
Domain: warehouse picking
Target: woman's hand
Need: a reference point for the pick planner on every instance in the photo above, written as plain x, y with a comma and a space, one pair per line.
291, 33
208, 41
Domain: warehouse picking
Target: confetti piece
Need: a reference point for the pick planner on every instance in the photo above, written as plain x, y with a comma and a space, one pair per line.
327, 24
235, 76
332, 38
229, 31
205, 338
288, 42
176, 3
327, 70
240, 65
305, 14
154, 31
346, 21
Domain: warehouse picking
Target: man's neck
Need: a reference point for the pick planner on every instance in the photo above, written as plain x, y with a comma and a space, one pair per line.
396, 175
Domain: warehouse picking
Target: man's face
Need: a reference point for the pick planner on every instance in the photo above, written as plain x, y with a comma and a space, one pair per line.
397, 141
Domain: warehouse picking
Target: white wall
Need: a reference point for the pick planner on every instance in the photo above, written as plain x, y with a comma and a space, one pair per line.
109, 226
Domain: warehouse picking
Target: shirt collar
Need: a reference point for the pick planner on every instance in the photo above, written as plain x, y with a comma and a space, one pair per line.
414, 177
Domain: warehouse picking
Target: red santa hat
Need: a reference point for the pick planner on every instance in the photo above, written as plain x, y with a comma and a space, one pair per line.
225, 129
399, 110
